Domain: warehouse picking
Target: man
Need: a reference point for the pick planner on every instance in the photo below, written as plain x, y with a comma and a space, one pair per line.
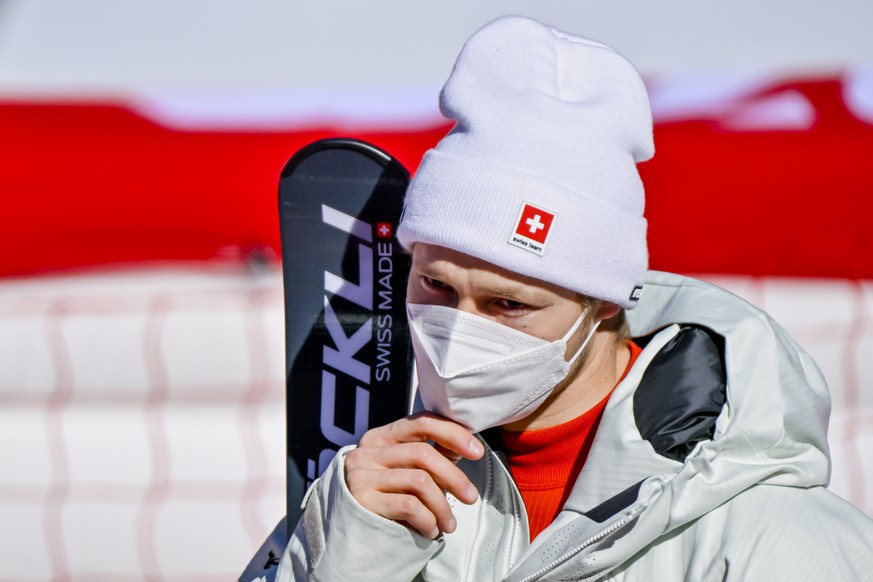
554, 446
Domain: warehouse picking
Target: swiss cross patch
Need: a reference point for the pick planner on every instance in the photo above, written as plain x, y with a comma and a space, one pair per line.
383, 230
532, 228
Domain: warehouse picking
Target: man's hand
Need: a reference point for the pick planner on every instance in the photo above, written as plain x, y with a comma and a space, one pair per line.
394, 472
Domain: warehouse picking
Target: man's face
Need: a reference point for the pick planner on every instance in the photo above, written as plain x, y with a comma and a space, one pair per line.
441, 276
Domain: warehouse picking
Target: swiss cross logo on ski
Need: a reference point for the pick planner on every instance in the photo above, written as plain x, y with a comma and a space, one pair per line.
383, 230
532, 228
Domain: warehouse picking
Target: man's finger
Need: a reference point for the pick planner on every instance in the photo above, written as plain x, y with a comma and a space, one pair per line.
415, 456
427, 426
443, 471
450, 455
402, 507
404, 481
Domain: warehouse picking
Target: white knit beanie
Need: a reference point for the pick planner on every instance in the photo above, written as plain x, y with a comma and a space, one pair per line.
539, 173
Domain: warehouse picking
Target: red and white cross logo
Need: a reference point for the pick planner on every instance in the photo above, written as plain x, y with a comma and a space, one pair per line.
532, 228
383, 230
534, 223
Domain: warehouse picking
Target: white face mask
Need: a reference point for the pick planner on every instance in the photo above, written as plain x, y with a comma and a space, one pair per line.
481, 373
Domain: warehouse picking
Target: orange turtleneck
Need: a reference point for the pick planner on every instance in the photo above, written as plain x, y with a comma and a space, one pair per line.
546, 462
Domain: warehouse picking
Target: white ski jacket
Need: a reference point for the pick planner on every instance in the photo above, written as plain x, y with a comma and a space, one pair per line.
710, 464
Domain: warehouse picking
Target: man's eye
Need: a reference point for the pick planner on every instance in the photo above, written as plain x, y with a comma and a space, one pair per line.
511, 305
434, 283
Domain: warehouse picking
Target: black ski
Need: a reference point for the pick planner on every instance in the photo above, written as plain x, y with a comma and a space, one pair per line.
348, 355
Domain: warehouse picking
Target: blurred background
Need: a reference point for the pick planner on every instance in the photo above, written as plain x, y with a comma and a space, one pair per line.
142, 432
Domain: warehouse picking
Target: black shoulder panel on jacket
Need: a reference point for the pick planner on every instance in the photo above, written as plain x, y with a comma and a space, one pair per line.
682, 392
615, 504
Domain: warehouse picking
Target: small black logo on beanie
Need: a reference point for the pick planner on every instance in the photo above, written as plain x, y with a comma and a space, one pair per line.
636, 293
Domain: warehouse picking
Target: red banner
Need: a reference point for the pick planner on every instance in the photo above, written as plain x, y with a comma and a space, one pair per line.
740, 188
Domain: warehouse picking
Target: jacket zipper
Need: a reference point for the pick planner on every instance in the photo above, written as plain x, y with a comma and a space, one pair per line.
592, 540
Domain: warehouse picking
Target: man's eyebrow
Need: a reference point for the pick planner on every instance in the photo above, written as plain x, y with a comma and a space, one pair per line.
516, 292
510, 289
427, 271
